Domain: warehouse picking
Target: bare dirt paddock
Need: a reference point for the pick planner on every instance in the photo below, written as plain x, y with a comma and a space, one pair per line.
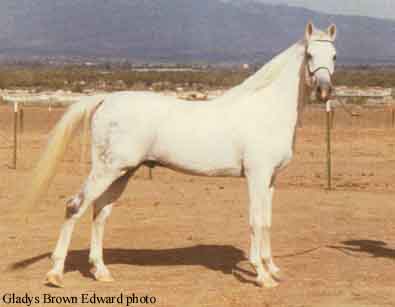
183, 239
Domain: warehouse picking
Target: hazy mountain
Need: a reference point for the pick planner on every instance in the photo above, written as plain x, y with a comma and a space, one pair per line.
177, 30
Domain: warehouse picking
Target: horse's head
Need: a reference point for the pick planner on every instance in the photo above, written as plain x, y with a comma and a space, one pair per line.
320, 59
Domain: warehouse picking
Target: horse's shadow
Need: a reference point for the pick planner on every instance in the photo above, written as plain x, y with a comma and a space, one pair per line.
224, 258
377, 249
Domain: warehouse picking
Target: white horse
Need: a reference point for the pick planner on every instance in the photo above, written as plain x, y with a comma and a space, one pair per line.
249, 131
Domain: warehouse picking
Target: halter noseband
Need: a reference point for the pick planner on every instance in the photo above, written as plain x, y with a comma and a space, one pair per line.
311, 73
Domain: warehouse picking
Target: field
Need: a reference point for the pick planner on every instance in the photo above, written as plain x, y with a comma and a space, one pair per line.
184, 239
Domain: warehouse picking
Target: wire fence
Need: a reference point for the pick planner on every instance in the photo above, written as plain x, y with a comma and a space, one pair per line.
362, 144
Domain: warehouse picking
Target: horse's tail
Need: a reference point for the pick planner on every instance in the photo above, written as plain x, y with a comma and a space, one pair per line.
60, 137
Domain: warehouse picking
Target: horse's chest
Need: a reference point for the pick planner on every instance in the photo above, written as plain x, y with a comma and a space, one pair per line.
285, 151
277, 148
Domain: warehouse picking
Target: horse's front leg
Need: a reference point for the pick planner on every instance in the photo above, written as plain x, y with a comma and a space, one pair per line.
258, 187
266, 247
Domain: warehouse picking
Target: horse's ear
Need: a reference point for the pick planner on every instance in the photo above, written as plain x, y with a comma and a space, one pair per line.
332, 31
309, 31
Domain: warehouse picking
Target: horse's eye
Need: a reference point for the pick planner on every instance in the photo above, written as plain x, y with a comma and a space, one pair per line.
309, 56
334, 58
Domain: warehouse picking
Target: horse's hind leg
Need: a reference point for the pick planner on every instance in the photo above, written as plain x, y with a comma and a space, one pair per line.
97, 183
101, 211
99, 270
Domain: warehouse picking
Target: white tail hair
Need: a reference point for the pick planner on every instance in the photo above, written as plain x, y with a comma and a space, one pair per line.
60, 137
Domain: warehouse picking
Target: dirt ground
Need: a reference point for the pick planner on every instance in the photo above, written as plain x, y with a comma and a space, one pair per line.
184, 239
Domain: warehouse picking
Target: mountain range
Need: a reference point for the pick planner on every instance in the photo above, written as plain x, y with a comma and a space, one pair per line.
180, 30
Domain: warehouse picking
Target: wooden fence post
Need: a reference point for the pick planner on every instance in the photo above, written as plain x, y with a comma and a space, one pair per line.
15, 135
21, 120
328, 145
332, 118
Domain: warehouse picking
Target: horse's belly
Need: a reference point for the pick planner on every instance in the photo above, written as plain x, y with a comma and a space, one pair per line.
189, 168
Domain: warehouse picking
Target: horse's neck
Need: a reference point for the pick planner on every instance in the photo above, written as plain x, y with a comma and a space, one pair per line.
270, 92
264, 77
288, 91
291, 79
304, 92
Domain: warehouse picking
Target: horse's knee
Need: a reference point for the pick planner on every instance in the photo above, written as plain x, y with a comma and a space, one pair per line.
257, 220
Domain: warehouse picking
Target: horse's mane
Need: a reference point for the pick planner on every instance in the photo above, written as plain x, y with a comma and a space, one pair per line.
267, 74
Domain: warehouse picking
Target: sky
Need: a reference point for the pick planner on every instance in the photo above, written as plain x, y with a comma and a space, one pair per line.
372, 8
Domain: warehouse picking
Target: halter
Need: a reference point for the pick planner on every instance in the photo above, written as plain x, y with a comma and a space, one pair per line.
311, 73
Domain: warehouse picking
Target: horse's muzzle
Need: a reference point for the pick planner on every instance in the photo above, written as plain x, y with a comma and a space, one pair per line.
323, 92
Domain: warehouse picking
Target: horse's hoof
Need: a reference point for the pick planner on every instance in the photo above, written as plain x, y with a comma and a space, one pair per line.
54, 280
270, 283
105, 278
102, 276
277, 275
267, 282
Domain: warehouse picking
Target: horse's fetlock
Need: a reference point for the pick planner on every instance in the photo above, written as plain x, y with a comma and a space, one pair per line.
93, 259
